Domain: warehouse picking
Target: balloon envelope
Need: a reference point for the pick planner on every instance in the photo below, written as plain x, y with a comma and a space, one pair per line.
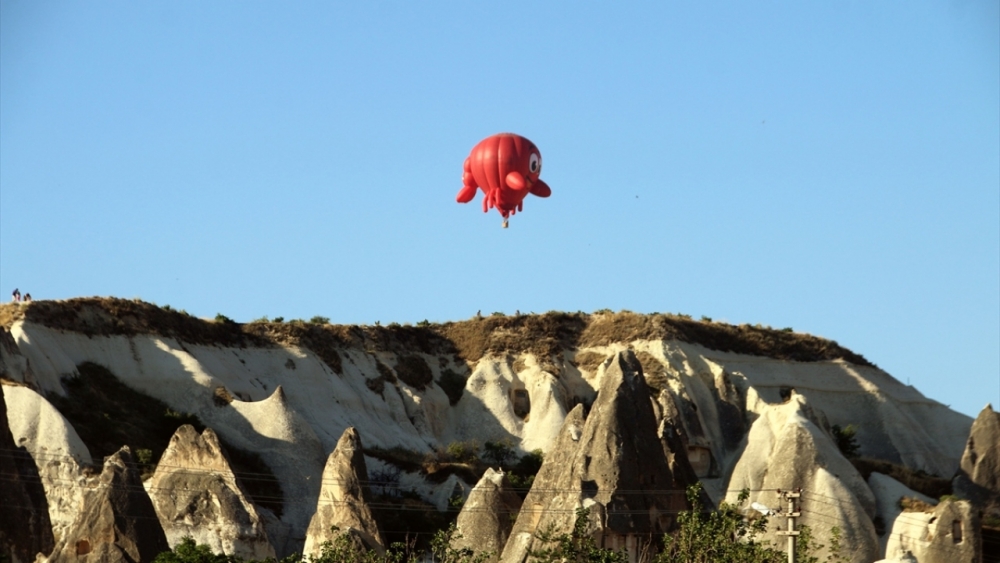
507, 168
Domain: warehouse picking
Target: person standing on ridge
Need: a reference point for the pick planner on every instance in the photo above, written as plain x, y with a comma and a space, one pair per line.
16, 296
27, 297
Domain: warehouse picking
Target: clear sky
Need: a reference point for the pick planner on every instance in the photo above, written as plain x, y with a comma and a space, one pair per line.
828, 166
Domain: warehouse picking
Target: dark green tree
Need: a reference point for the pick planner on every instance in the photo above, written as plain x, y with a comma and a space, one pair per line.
189, 552
576, 547
846, 439
720, 536
499, 453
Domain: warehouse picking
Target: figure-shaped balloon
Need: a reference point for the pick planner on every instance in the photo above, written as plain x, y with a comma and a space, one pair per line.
506, 167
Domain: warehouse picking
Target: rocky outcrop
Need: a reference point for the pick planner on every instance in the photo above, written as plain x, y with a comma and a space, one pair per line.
59, 454
930, 531
289, 447
13, 365
981, 460
949, 533
978, 477
675, 450
196, 494
889, 493
611, 464
789, 448
25, 529
290, 400
117, 523
487, 517
343, 500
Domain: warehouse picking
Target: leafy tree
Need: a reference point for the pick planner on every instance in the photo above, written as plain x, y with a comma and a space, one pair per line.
806, 546
499, 453
522, 475
444, 553
463, 452
846, 439
342, 549
576, 547
721, 536
725, 536
189, 552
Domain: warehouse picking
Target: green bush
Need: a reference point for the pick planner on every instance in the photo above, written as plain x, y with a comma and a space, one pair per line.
522, 475
576, 546
220, 318
144, 458
499, 453
414, 371
319, 320
463, 452
341, 550
452, 384
189, 552
530, 463
846, 439
722, 536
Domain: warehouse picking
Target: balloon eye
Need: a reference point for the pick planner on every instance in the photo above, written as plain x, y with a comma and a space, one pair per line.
535, 163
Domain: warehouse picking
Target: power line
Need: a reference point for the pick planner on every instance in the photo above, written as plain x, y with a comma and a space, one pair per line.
182, 470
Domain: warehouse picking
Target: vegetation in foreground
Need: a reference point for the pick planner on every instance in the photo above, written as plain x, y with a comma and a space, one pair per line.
721, 536
340, 550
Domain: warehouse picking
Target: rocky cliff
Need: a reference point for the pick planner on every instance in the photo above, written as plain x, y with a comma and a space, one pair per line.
25, 528
611, 464
195, 493
488, 515
343, 506
747, 406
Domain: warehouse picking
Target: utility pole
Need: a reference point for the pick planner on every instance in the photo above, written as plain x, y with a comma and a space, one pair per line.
792, 514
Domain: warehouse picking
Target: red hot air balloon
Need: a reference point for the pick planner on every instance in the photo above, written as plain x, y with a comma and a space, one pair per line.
506, 167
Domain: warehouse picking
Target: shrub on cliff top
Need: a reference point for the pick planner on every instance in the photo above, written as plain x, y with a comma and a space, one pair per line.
414, 371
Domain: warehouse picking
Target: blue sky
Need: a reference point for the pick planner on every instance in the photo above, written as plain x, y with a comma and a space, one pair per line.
829, 166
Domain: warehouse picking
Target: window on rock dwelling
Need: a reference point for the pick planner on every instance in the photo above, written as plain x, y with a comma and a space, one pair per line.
956, 531
521, 401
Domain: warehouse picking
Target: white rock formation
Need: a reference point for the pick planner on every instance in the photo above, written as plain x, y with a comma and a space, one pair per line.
343, 506
116, 523
196, 494
946, 532
888, 493
25, 527
979, 475
611, 464
788, 449
13, 365
487, 517
294, 429
57, 449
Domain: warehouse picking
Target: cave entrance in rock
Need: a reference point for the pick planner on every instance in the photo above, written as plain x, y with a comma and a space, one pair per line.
521, 401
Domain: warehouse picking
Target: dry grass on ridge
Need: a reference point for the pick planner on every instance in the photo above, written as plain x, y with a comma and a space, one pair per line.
545, 335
